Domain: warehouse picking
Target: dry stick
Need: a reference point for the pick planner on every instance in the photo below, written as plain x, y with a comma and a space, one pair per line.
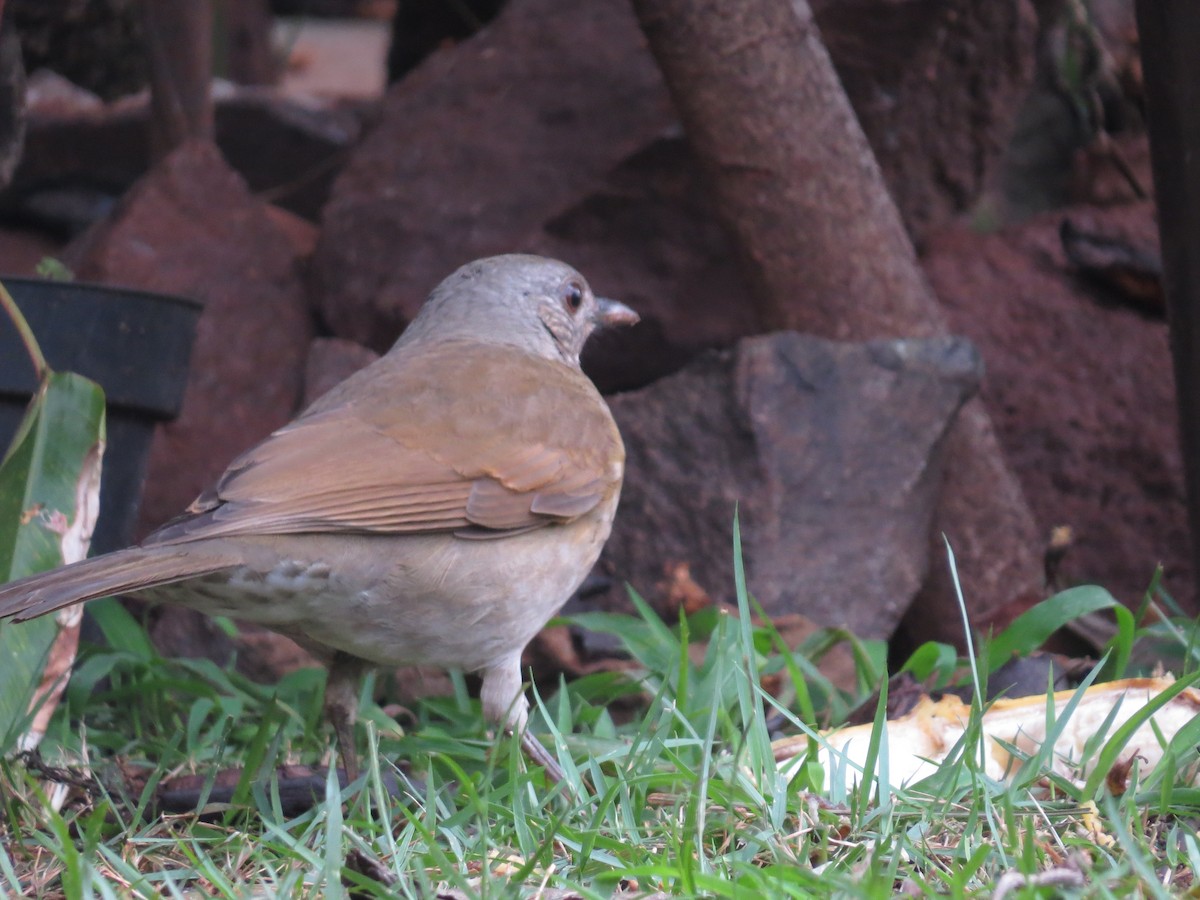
823, 244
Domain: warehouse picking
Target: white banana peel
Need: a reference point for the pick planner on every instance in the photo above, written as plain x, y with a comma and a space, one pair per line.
919, 742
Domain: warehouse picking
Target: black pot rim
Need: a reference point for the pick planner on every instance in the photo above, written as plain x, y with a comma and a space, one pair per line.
189, 302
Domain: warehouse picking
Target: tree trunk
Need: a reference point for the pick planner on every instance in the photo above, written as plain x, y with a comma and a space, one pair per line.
12, 101
179, 49
825, 249
1169, 31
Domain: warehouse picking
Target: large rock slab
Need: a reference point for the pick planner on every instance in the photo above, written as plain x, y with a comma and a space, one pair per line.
477, 148
829, 453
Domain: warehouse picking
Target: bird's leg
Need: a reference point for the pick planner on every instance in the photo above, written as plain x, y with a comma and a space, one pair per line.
504, 704
341, 705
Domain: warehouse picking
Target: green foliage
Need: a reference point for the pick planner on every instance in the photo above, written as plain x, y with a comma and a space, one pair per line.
54, 269
685, 798
1032, 628
44, 481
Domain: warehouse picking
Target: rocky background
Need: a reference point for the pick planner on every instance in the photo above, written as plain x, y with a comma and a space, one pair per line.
314, 226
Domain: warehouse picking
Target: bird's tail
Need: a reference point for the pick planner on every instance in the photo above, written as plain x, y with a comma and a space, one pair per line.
114, 573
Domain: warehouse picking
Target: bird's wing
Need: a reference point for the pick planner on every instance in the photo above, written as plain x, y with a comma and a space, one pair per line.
476, 439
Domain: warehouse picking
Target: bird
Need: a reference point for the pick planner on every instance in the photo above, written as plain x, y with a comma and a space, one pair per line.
437, 507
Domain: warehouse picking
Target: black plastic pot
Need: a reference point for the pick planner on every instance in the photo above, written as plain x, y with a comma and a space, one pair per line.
134, 344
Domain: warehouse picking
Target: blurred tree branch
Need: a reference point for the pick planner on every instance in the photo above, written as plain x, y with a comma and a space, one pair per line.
12, 101
179, 50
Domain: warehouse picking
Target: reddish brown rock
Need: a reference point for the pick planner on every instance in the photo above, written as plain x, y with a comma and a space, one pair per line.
936, 85
830, 453
331, 361
1112, 172
300, 233
21, 250
191, 227
648, 235
477, 148
998, 558
1080, 388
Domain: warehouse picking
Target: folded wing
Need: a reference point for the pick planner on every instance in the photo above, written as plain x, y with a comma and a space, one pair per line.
405, 449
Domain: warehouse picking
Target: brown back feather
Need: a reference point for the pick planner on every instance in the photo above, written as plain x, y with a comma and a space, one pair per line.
409, 452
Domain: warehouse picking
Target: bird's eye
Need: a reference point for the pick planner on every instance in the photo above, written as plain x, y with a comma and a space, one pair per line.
572, 296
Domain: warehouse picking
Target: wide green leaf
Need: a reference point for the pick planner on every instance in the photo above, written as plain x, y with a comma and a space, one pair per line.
49, 489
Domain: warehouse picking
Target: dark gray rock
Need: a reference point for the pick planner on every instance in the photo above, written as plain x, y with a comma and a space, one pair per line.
829, 452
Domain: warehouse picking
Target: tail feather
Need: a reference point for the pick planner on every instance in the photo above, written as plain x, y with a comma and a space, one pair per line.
114, 573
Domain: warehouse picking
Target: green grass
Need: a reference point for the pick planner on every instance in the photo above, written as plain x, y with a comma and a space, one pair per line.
685, 799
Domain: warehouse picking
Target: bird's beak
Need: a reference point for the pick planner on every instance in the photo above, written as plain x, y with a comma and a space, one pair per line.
613, 312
